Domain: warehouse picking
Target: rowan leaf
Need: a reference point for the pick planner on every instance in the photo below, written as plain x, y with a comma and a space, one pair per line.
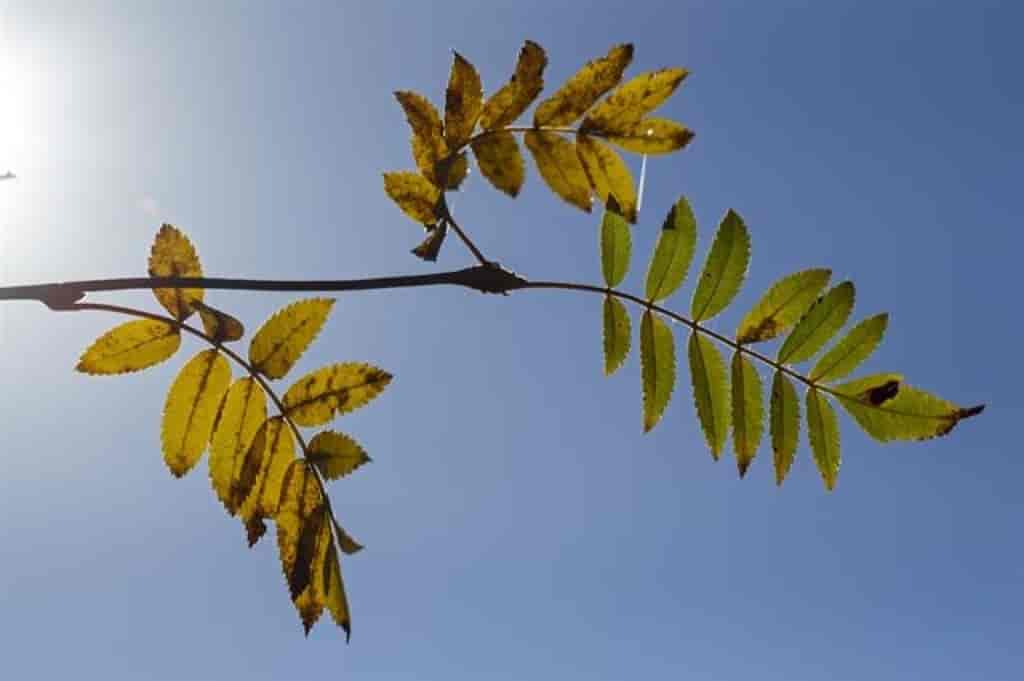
783, 305
890, 410
500, 161
337, 389
853, 349
584, 88
430, 247
560, 167
131, 346
173, 255
508, 103
633, 100
617, 334
463, 102
657, 365
283, 338
428, 146
256, 491
303, 540
724, 269
337, 601
785, 425
616, 244
346, 543
747, 411
608, 174
242, 412
673, 252
822, 322
219, 325
710, 391
823, 432
191, 408
414, 194
335, 454
652, 136
454, 171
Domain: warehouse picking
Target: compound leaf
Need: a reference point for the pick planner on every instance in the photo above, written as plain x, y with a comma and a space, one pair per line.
414, 194
825, 318
853, 349
633, 100
428, 145
242, 412
785, 425
724, 269
285, 336
337, 389
508, 103
191, 408
652, 136
616, 244
335, 454
657, 365
463, 102
747, 411
608, 174
823, 432
173, 255
617, 334
500, 161
560, 167
786, 302
673, 252
219, 325
130, 347
710, 391
584, 88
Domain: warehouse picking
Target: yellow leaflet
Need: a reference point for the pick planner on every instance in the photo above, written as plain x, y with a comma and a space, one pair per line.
501, 162
608, 174
301, 517
191, 408
242, 412
337, 601
173, 255
257, 490
336, 454
315, 398
428, 146
220, 326
414, 194
346, 543
652, 136
560, 167
508, 103
463, 102
890, 410
130, 347
456, 172
285, 336
584, 88
633, 100
430, 247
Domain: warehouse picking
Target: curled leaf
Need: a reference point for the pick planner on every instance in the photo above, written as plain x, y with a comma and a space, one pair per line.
219, 326
191, 408
173, 255
337, 389
283, 338
584, 88
130, 347
430, 247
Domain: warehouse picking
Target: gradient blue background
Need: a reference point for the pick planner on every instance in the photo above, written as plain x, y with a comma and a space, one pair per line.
518, 524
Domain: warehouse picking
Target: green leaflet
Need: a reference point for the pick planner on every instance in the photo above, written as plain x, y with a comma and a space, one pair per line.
819, 325
710, 391
616, 334
657, 366
853, 349
823, 431
747, 411
673, 253
785, 422
785, 303
889, 410
724, 269
616, 244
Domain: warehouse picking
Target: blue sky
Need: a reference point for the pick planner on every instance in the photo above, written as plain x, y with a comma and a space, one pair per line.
518, 524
